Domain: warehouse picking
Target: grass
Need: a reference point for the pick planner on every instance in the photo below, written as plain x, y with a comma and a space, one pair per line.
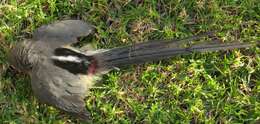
217, 87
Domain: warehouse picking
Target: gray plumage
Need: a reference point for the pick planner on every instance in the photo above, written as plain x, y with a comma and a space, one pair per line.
55, 84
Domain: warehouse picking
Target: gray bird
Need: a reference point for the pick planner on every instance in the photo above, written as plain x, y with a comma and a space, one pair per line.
61, 75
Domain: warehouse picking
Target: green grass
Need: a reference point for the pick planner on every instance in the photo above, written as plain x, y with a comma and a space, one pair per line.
217, 87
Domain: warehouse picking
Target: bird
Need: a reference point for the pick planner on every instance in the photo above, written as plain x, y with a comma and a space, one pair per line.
62, 75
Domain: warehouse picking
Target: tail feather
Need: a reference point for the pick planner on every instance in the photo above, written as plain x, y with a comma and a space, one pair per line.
80, 62
136, 55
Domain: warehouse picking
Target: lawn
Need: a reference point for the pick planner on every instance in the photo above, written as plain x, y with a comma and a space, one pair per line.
215, 87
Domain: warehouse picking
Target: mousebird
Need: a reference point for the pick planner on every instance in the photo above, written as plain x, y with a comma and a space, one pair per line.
61, 75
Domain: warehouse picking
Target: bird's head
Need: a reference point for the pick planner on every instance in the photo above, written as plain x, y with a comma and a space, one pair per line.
21, 56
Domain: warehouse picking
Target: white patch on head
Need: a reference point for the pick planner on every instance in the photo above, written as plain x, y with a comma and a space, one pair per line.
67, 58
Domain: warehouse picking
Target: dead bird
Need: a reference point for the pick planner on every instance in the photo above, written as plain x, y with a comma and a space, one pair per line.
61, 75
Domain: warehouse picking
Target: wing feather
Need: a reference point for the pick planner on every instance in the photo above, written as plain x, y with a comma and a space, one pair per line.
63, 32
54, 86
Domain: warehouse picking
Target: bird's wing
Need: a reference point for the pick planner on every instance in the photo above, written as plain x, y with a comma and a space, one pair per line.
63, 32
54, 86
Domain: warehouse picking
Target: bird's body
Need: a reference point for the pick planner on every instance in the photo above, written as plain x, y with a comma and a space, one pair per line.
62, 76
51, 84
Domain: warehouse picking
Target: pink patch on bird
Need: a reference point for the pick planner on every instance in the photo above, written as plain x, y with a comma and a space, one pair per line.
92, 67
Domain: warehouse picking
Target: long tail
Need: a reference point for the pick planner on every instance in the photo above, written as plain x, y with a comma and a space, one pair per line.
157, 50
79, 62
